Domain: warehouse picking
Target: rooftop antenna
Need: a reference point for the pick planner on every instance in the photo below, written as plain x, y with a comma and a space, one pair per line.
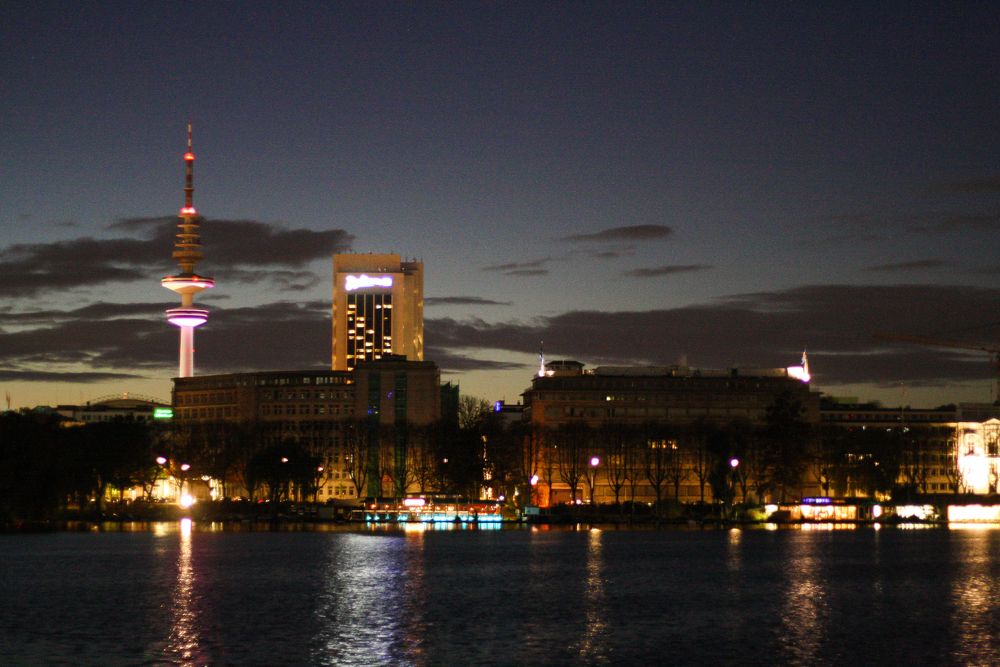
541, 358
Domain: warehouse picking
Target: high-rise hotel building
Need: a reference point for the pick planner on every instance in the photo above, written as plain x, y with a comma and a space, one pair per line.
378, 309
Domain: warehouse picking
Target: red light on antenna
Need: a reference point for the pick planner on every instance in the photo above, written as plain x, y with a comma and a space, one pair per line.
189, 156
188, 210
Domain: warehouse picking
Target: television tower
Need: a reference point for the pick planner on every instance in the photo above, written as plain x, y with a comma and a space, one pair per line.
187, 283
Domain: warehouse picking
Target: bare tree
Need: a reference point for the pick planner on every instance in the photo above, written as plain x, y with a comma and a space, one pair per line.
656, 453
573, 444
397, 462
614, 439
532, 441
677, 468
472, 411
423, 457
550, 461
358, 450
696, 436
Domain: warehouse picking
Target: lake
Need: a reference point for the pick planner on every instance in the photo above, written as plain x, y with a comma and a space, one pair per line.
177, 593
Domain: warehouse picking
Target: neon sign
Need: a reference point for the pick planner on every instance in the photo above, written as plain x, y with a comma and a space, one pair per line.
352, 283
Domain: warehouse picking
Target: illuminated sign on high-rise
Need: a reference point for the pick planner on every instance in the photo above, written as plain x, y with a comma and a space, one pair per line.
362, 281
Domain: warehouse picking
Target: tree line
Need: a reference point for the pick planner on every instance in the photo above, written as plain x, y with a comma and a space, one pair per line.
46, 467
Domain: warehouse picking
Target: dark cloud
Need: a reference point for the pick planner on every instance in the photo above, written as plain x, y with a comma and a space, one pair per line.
668, 270
463, 301
95, 311
855, 237
232, 246
835, 323
518, 266
101, 337
231, 243
915, 265
450, 362
986, 185
84, 262
283, 280
957, 223
613, 254
528, 272
79, 378
628, 233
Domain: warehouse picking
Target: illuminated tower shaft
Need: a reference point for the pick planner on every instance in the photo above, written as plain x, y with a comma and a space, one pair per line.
187, 283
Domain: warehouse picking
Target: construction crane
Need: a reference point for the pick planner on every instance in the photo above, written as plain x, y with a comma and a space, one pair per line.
950, 344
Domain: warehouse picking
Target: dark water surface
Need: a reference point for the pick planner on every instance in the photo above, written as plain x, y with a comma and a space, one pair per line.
170, 594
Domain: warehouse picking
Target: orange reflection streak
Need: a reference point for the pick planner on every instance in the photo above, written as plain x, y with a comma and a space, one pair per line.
414, 629
974, 594
593, 600
805, 608
183, 641
734, 559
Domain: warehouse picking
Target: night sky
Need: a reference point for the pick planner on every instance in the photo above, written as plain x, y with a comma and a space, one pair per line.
631, 183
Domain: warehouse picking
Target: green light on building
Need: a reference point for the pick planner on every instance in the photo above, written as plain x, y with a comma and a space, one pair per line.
163, 413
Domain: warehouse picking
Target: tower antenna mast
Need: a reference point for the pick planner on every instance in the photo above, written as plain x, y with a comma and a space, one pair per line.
187, 283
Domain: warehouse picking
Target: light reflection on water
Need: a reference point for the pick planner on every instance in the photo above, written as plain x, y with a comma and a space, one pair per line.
734, 557
803, 614
183, 640
591, 649
361, 611
975, 595
182, 593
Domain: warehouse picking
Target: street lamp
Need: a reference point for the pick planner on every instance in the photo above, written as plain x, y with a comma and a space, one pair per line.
734, 463
592, 476
186, 499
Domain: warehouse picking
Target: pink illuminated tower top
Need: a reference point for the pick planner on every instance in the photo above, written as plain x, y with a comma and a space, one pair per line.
187, 283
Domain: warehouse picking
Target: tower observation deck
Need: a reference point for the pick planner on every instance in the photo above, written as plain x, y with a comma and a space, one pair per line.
187, 283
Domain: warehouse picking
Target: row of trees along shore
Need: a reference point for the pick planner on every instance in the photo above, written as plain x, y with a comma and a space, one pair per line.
46, 469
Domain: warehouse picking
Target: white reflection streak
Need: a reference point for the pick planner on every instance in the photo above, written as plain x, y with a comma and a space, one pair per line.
359, 612
593, 602
804, 603
183, 641
974, 594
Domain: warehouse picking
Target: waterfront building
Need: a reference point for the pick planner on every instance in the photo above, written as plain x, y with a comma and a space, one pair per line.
943, 450
378, 309
398, 400
115, 407
978, 456
321, 411
669, 409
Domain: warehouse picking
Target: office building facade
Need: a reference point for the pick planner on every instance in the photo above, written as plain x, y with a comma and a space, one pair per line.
378, 309
319, 410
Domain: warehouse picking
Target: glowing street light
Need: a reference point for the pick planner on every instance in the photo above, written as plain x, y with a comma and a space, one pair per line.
592, 476
734, 463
